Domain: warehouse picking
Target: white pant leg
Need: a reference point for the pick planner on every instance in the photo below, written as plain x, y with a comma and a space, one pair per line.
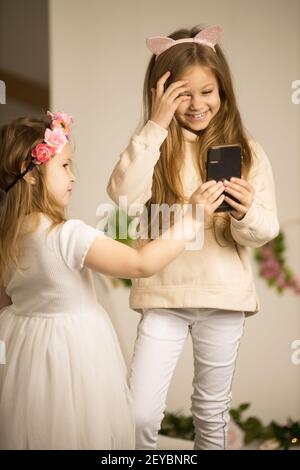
216, 336
161, 336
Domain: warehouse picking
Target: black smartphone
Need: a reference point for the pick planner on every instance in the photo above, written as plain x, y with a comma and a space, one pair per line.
223, 162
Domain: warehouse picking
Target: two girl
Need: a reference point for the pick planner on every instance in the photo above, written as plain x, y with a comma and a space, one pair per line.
190, 106
64, 384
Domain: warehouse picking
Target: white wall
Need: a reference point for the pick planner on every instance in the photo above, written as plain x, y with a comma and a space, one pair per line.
97, 62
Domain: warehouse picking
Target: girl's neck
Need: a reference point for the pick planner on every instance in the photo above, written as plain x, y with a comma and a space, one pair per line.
189, 135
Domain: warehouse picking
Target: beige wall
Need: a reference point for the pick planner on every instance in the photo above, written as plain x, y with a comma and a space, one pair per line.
97, 63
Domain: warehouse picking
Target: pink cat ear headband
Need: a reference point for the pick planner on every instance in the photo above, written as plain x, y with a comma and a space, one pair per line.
209, 36
55, 138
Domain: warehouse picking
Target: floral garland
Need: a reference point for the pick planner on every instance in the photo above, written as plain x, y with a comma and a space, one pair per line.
273, 266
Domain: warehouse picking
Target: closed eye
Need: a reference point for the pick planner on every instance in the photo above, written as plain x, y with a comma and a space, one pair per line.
65, 165
186, 93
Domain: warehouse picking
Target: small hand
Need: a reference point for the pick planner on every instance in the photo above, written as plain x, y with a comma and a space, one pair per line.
210, 195
241, 190
165, 102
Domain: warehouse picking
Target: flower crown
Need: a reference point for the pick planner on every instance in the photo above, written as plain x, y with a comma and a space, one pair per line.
54, 138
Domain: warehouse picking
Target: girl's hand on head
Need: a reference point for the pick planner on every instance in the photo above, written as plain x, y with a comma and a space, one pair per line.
166, 102
210, 195
244, 192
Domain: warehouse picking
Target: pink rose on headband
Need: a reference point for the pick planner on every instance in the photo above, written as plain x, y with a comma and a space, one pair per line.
61, 120
55, 138
42, 153
67, 118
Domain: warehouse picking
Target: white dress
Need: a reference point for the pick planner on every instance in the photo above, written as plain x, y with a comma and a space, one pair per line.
64, 383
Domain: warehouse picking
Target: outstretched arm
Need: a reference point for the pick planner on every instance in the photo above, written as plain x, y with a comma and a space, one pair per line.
115, 259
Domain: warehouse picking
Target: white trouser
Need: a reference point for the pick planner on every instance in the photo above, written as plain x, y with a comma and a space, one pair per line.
161, 335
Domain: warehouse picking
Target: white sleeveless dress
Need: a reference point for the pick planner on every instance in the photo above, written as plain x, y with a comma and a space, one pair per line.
64, 381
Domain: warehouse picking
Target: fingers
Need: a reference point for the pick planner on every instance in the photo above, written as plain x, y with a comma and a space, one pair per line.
172, 88
239, 183
210, 193
215, 192
176, 88
235, 205
216, 204
237, 194
172, 97
160, 83
210, 187
242, 190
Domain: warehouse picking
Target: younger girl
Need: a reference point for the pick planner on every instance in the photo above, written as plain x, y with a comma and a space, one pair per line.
190, 106
63, 384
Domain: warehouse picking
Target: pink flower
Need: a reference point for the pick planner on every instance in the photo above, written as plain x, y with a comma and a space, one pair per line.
281, 280
270, 444
270, 266
66, 118
61, 120
42, 153
55, 138
266, 251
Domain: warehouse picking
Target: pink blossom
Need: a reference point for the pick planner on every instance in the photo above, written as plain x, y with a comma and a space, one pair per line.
267, 274
266, 251
55, 138
281, 280
271, 265
42, 153
67, 118
61, 120
270, 444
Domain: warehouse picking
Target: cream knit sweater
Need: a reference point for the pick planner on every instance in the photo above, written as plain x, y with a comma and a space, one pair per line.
213, 276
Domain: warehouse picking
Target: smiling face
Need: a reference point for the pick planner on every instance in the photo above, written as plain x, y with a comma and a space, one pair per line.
59, 176
205, 102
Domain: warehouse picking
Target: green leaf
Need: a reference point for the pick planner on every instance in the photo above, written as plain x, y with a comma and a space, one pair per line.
244, 406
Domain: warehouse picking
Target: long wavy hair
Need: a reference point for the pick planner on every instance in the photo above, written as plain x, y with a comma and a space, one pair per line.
225, 127
17, 140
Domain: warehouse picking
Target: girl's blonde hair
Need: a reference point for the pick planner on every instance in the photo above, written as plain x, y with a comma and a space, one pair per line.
225, 128
17, 140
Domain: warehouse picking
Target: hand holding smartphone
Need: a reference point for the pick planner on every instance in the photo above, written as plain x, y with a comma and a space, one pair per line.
223, 162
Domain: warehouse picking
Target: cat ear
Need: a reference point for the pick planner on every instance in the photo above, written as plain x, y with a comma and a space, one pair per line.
211, 34
159, 44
